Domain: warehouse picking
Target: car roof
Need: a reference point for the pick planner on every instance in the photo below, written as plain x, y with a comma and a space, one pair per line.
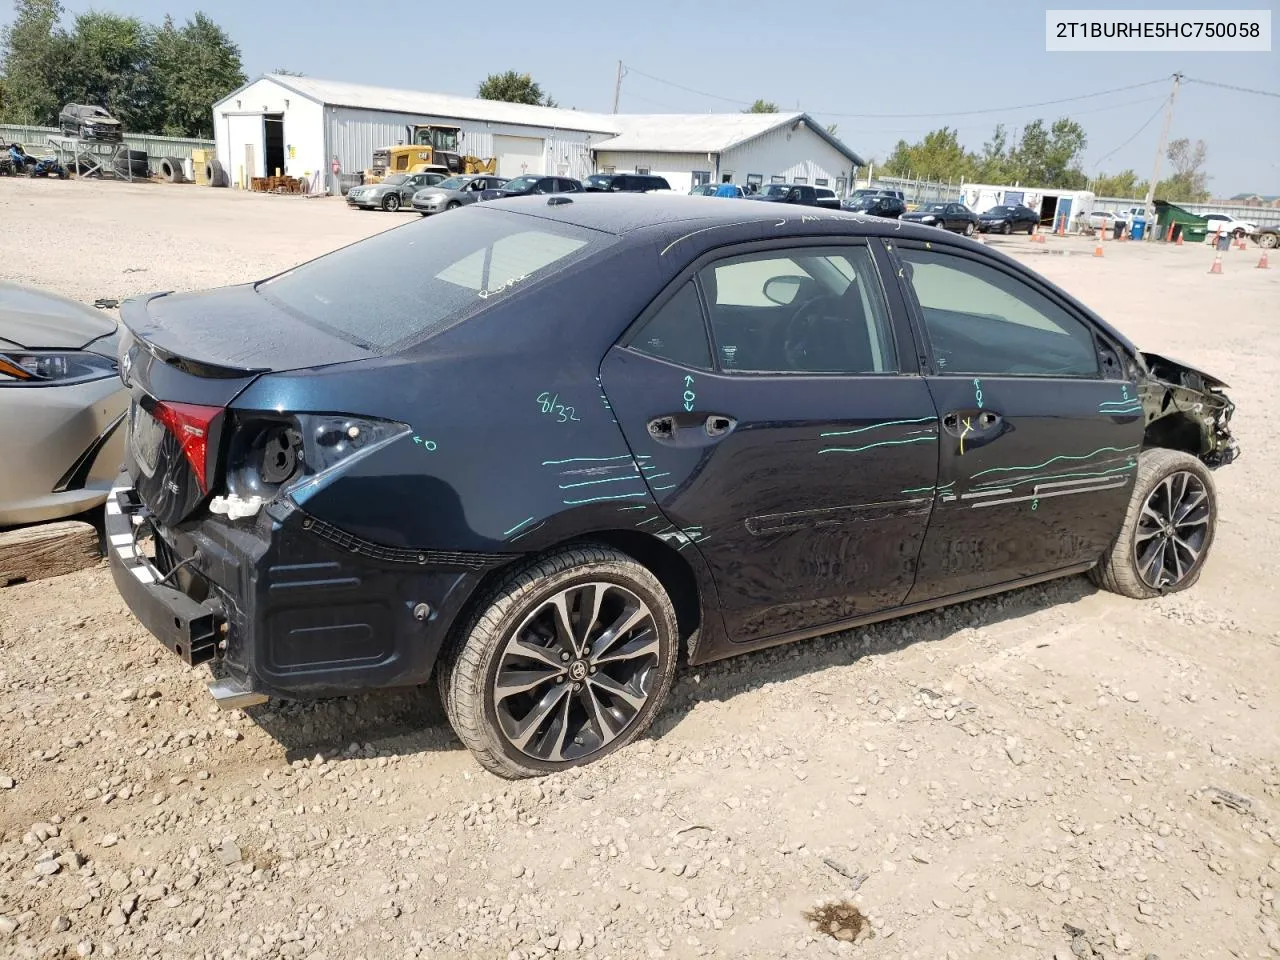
677, 214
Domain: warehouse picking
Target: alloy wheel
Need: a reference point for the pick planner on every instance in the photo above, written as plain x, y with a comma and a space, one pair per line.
392, 203
576, 672
1173, 529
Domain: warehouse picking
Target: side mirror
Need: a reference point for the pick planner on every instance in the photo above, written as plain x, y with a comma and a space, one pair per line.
782, 290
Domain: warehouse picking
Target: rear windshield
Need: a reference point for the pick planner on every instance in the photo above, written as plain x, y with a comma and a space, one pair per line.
415, 280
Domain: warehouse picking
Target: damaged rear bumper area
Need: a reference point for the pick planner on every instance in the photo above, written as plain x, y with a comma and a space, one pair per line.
285, 605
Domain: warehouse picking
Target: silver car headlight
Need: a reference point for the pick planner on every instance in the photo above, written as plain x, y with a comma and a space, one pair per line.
53, 367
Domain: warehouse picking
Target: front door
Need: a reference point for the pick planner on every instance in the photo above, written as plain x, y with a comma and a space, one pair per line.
795, 447
1040, 432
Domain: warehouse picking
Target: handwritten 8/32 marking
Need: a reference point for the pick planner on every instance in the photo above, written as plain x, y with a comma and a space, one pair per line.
550, 405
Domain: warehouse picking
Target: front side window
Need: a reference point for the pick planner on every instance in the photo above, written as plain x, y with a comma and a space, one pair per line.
677, 332
805, 310
981, 320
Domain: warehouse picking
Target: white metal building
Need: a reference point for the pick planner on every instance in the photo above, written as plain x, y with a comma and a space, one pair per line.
301, 125
741, 148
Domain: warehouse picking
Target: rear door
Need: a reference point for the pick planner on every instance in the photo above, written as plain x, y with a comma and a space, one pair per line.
791, 441
1040, 430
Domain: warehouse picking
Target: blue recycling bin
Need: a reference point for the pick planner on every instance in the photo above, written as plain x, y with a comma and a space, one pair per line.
1137, 228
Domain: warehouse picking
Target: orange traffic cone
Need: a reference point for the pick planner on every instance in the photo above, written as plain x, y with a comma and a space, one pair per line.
1262, 262
1178, 242
1097, 247
1217, 263
1243, 245
1036, 235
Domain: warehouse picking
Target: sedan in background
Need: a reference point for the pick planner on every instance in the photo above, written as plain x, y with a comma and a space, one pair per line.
1008, 218
394, 192
948, 216
704, 190
61, 406
624, 183
1228, 225
497, 451
532, 184
875, 205
454, 192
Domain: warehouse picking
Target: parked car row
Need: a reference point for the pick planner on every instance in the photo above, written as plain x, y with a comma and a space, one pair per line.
430, 192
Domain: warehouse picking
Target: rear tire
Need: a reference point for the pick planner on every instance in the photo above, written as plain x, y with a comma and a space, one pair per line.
968, 229
608, 702
1143, 562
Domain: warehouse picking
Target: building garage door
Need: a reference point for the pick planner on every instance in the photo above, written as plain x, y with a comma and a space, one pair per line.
517, 155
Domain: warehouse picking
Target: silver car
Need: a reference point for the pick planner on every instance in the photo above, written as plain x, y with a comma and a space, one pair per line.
392, 193
62, 405
454, 192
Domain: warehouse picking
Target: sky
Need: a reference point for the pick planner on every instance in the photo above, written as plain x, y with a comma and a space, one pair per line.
947, 58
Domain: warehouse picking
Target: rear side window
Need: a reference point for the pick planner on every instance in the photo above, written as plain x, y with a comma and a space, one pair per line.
677, 332
415, 280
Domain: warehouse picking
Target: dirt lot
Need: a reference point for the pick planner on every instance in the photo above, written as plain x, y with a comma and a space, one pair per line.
1021, 777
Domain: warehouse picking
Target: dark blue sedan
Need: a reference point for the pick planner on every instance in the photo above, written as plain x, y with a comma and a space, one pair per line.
546, 448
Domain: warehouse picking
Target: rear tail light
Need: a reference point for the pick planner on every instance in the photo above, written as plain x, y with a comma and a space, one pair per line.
299, 453
190, 423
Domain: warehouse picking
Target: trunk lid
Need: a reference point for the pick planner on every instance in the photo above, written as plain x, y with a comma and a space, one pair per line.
185, 358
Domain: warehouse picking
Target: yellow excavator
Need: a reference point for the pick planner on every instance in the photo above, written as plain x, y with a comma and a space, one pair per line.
433, 147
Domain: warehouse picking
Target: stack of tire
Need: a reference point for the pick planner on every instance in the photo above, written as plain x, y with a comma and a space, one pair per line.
133, 165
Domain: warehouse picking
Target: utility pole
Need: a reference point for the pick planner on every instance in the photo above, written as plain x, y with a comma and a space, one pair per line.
1148, 203
617, 88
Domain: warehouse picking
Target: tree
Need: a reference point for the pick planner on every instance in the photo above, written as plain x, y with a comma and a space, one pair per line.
762, 106
108, 63
514, 88
1123, 184
993, 164
939, 156
193, 66
1050, 158
832, 128
33, 60
156, 80
1189, 181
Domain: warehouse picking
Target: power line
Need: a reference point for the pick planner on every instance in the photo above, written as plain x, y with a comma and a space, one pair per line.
908, 116
701, 93
1227, 86
982, 126
1097, 163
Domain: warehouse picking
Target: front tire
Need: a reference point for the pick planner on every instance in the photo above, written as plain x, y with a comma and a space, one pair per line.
453, 205
1007, 228
391, 203
563, 663
1168, 528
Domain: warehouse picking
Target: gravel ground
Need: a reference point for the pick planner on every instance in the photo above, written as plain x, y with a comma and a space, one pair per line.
1057, 773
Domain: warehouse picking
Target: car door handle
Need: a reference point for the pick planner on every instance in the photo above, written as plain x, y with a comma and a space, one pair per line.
718, 425
958, 422
662, 428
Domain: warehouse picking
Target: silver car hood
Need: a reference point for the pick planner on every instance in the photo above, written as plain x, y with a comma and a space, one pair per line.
35, 319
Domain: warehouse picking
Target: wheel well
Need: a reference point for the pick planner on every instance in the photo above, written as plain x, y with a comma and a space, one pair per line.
1177, 431
663, 561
